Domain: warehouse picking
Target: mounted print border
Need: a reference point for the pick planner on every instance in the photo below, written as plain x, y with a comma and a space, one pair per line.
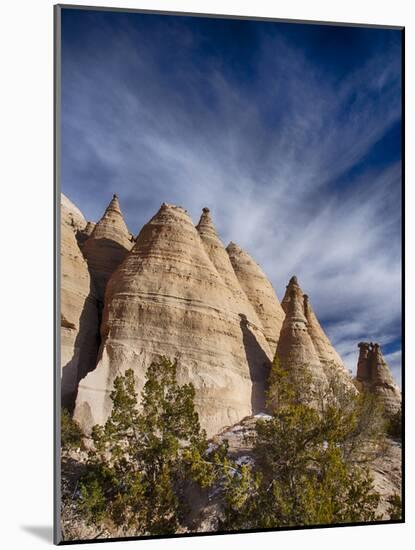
229, 274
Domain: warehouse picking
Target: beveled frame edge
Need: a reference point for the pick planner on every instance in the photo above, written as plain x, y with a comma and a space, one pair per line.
57, 535
57, 8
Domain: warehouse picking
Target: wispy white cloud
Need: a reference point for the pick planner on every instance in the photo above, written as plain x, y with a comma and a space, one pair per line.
279, 162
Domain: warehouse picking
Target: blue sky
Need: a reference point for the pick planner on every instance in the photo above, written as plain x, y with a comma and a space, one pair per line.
289, 133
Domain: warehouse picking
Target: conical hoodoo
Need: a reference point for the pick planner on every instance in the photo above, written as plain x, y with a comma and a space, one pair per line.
295, 351
374, 376
107, 246
329, 358
259, 291
167, 298
239, 302
78, 305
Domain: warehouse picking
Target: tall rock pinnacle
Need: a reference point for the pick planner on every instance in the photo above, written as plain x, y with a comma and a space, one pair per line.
295, 351
167, 298
329, 358
239, 302
292, 286
259, 291
373, 375
107, 246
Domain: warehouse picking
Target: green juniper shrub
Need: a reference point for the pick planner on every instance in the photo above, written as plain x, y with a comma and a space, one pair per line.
142, 456
309, 464
71, 433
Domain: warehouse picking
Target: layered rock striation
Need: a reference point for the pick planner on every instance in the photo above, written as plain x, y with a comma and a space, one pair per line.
168, 298
259, 291
107, 246
78, 308
373, 375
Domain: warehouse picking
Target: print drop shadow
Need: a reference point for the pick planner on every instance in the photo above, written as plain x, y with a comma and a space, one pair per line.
42, 532
258, 363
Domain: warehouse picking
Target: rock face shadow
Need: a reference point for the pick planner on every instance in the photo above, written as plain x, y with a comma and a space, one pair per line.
103, 257
85, 353
258, 363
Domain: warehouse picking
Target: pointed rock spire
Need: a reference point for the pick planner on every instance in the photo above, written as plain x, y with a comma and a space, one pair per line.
329, 358
107, 246
205, 226
259, 291
167, 298
239, 301
292, 286
295, 351
373, 375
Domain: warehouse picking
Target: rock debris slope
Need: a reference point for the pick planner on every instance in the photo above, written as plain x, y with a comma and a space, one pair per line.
373, 375
259, 291
167, 298
79, 315
108, 245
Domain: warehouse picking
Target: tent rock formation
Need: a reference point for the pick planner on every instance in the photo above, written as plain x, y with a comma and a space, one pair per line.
259, 291
296, 352
176, 291
168, 298
107, 246
373, 375
216, 251
327, 355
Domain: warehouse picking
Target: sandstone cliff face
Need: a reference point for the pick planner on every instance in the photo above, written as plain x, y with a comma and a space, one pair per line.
79, 314
259, 291
328, 356
167, 298
107, 246
373, 375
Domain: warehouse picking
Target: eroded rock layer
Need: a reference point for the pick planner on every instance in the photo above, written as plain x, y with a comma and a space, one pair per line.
79, 315
373, 375
259, 291
108, 245
167, 298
